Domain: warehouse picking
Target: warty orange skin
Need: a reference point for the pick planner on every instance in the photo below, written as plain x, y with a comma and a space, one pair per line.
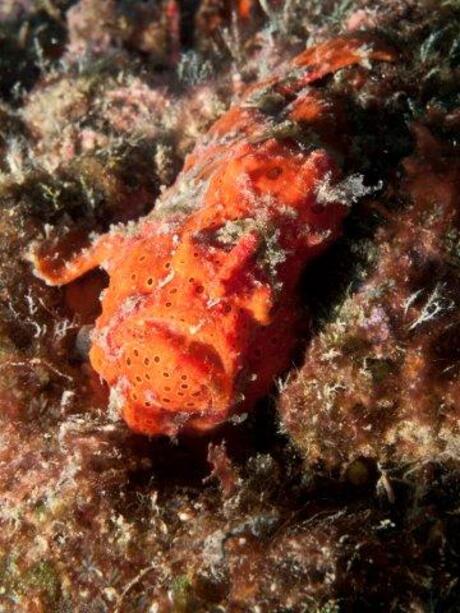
201, 312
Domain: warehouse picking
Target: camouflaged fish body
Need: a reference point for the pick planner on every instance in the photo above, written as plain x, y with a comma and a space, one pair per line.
201, 312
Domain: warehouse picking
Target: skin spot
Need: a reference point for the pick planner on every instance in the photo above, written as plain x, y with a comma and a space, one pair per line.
274, 173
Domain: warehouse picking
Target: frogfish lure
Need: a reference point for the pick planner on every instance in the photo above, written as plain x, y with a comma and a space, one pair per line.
201, 312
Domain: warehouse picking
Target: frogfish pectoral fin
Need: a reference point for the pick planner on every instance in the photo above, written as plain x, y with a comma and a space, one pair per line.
236, 279
55, 267
259, 302
238, 262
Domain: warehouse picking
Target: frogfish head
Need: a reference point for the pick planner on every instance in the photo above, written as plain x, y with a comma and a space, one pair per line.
165, 370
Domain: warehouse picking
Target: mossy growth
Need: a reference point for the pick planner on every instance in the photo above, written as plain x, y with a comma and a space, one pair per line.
39, 583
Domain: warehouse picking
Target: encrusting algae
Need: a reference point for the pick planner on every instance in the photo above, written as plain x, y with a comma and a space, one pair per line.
201, 312
341, 491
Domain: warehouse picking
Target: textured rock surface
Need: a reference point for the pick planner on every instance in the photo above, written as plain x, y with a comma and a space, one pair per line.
381, 378
303, 508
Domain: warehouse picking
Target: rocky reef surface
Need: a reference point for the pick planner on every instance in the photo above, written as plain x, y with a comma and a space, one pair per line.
340, 492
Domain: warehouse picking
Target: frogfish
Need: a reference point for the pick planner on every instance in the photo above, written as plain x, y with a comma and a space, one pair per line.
202, 311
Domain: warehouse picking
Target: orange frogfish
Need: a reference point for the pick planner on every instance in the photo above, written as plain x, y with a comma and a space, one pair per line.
201, 312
